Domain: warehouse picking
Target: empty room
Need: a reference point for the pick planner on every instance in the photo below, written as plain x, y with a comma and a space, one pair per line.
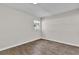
39, 29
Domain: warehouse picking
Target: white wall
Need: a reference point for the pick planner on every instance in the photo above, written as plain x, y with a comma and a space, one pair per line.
15, 28
62, 28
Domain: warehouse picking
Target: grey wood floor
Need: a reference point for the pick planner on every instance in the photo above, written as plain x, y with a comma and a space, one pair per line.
42, 47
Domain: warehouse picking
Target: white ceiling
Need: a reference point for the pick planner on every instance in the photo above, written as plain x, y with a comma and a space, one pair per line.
43, 9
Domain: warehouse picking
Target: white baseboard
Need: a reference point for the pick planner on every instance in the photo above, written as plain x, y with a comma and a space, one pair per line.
17, 44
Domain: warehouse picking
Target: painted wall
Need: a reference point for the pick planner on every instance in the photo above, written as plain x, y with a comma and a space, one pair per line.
62, 28
16, 27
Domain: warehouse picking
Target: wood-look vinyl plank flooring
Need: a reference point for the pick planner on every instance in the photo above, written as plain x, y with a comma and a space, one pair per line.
42, 47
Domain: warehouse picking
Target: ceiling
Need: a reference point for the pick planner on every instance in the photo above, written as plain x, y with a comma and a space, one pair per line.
43, 9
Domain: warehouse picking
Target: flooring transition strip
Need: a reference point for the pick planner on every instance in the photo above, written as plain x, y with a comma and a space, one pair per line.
42, 47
